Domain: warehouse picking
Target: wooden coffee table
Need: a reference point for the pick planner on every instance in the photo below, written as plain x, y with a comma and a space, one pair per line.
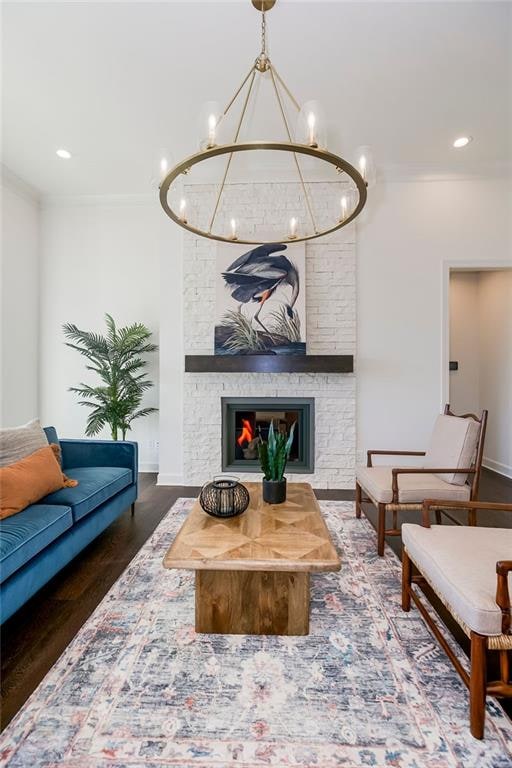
252, 571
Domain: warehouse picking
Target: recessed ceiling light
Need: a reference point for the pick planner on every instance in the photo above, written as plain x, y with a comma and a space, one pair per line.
462, 141
64, 154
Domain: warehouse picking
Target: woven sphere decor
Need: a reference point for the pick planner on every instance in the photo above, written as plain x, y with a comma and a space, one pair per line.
224, 497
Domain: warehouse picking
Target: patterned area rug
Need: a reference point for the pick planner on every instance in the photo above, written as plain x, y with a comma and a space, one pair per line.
368, 687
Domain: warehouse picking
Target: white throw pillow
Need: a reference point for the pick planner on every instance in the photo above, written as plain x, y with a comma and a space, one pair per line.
18, 442
452, 445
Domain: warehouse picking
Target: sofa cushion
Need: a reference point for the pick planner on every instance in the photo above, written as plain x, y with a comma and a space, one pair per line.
460, 564
95, 486
30, 479
29, 532
18, 442
376, 481
453, 444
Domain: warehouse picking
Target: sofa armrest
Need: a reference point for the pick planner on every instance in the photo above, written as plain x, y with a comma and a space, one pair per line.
100, 453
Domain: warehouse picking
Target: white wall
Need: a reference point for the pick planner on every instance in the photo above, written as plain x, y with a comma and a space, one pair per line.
19, 303
495, 312
98, 257
409, 231
126, 256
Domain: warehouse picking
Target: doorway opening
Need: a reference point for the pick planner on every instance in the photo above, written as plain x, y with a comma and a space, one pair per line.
480, 355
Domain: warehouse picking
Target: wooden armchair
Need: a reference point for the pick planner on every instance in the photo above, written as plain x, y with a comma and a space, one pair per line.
450, 470
468, 569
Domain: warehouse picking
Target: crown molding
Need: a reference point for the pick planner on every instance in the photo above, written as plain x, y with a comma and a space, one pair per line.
73, 201
412, 172
428, 172
19, 186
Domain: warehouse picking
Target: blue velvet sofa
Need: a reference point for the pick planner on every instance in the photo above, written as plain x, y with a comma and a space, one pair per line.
37, 542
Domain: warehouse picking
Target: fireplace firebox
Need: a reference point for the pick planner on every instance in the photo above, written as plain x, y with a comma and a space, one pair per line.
246, 421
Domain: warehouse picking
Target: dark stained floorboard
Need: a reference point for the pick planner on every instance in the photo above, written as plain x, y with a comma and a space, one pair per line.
35, 637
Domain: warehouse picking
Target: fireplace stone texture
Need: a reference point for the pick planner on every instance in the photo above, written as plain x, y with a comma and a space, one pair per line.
331, 329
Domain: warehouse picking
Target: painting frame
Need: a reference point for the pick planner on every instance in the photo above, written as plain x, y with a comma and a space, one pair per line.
260, 305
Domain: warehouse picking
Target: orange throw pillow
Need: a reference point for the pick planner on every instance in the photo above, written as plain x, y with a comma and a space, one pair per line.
29, 480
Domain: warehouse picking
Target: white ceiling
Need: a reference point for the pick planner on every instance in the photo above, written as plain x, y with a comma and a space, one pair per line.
114, 82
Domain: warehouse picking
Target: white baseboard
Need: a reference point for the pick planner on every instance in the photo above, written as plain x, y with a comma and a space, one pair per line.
497, 466
164, 479
147, 466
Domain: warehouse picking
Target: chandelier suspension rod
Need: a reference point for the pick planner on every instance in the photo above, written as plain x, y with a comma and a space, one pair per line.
251, 71
221, 190
286, 89
301, 177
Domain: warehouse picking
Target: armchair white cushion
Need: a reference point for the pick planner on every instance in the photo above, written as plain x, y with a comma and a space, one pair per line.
460, 565
452, 445
376, 481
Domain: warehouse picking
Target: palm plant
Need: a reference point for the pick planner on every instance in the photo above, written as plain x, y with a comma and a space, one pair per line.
117, 359
275, 452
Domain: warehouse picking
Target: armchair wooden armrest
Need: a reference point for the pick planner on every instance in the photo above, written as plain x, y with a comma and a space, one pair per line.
423, 471
503, 568
429, 503
369, 454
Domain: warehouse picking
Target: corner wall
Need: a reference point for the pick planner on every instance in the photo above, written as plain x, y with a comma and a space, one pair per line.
100, 256
19, 383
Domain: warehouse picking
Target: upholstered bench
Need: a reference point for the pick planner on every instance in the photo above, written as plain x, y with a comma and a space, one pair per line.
468, 569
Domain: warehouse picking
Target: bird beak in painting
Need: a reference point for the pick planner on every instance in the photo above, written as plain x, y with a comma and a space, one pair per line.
289, 310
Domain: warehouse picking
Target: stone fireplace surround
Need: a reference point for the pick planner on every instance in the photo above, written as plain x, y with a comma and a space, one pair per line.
331, 329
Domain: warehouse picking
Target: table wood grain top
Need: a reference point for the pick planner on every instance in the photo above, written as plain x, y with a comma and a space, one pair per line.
267, 537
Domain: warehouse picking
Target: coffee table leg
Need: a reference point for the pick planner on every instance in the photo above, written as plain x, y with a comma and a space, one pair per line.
252, 602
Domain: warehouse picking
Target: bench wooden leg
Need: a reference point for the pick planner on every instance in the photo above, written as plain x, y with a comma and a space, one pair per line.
132, 509
381, 529
358, 500
477, 685
406, 580
504, 667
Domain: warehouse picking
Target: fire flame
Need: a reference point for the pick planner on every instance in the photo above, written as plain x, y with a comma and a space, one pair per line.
247, 433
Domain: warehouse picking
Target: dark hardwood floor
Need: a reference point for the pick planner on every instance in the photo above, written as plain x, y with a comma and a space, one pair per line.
34, 638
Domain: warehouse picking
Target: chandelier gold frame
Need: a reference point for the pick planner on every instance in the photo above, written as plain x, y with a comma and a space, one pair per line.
262, 65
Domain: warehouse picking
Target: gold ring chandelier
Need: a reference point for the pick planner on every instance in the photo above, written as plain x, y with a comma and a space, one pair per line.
356, 180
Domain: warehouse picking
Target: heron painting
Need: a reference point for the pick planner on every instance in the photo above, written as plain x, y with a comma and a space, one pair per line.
260, 300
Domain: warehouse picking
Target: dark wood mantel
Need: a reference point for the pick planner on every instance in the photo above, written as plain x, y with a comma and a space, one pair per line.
269, 363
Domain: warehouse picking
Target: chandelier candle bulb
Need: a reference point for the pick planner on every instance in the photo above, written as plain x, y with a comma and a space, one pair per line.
164, 168
344, 208
311, 126
292, 232
183, 211
212, 125
362, 167
233, 234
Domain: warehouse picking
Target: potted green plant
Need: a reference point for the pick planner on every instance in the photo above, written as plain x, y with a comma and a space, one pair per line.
274, 455
118, 360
